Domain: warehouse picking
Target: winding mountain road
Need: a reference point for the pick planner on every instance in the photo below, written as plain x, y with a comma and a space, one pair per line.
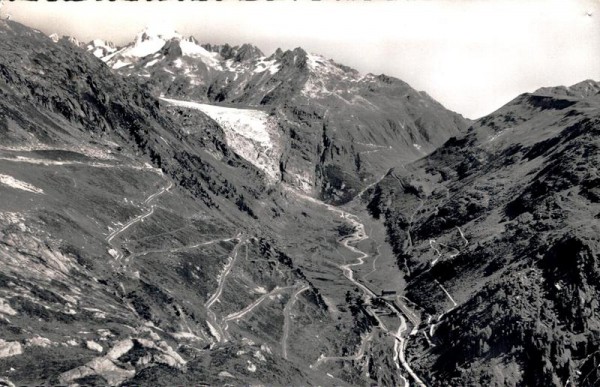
358, 236
408, 231
135, 220
287, 319
254, 304
374, 269
359, 194
213, 321
357, 356
432, 243
182, 248
436, 250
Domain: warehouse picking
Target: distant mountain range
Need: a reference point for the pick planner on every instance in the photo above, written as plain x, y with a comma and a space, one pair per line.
177, 213
339, 127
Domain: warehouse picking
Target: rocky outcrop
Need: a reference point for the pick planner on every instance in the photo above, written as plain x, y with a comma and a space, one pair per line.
10, 348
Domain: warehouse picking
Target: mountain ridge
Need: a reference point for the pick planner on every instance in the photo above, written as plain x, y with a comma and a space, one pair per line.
302, 90
497, 217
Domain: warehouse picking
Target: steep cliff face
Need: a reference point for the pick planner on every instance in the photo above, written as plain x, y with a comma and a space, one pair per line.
339, 130
498, 233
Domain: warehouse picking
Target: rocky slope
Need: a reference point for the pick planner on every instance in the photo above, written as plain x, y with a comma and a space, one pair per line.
498, 233
338, 128
140, 246
119, 217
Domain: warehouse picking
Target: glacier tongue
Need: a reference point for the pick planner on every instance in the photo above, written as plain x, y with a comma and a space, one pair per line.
252, 134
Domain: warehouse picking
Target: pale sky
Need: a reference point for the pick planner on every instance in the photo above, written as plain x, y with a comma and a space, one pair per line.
472, 56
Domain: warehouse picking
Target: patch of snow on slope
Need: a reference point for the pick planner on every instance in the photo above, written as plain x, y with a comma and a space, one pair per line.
497, 135
194, 50
323, 67
314, 61
100, 48
267, 65
18, 184
324, 76
250, 133
314, 88
235, 67
143, 48
119, 63
98, 53
151, 63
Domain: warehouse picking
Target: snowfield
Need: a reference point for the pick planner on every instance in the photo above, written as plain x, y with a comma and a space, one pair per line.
267, 65
252, 134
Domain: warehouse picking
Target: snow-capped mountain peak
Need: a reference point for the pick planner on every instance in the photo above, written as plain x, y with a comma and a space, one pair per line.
159, 42
148, 42
158, 32
218, 72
